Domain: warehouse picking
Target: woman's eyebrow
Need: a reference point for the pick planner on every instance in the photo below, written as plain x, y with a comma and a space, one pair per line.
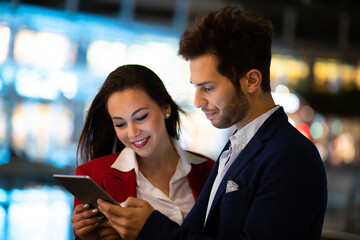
120, 118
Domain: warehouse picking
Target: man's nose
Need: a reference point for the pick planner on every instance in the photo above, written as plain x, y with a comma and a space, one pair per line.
199, 100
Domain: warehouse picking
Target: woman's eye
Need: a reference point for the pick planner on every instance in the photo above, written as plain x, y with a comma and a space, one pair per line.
120, 125
142, 117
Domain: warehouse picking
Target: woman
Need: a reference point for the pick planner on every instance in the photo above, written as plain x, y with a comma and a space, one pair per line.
129, 147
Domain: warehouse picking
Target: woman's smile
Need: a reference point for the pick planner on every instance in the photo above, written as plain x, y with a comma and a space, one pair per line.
141, 143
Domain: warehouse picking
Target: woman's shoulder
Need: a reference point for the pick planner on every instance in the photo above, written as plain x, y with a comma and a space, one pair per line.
98, 163
199, 159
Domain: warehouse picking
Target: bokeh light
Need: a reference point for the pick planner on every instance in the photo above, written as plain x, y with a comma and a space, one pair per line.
289, 101
336, 127
4, 42
316, 130
343, 149
307, 113
305, 130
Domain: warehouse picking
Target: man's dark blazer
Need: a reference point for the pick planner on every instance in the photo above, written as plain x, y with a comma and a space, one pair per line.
282, 192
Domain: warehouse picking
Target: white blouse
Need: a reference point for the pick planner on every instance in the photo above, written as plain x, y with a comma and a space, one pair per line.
180, 200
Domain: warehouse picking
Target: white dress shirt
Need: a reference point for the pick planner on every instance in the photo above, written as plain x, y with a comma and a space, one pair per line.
238, 142
180, 200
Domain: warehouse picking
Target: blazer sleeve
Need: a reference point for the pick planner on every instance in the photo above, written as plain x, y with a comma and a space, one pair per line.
158, 226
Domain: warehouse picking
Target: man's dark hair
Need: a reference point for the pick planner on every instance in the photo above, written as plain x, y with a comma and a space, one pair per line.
241, 40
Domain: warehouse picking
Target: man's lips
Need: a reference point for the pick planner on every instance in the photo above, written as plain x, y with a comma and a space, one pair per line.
141, 143
209, 114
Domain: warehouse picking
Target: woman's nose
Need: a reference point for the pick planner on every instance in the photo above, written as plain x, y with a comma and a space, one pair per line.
133, 131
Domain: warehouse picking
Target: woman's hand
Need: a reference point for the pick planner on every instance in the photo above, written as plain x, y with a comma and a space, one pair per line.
85, 222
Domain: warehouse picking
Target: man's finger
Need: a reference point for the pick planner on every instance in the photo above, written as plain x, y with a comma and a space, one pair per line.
134, 202
108, 208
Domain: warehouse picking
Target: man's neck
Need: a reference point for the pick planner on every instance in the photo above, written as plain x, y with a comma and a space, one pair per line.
257, 108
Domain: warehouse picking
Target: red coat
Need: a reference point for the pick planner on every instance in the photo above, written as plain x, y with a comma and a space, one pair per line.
121, 185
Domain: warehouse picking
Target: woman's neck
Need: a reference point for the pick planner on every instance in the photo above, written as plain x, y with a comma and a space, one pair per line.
160, 168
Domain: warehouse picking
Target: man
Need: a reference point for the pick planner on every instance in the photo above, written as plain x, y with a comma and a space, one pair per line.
269, 182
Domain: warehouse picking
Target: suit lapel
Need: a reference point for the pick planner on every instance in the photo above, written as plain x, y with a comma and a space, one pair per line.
240, 162
205, 193
196, 217
266, 131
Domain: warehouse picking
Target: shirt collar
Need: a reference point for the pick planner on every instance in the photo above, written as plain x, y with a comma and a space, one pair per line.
242, 136
126, 161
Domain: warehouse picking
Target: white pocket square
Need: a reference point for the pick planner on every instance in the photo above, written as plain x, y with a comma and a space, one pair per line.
231, 186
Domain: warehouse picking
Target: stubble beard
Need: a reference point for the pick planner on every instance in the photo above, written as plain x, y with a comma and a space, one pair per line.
234, 112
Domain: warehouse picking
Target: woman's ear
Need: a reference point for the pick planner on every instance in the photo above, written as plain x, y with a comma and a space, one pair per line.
254, 79
166, 110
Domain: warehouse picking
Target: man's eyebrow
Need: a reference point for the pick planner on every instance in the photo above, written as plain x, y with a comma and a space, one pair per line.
120, 118
200, 84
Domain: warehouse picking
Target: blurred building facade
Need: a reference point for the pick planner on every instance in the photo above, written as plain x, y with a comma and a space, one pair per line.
54, 56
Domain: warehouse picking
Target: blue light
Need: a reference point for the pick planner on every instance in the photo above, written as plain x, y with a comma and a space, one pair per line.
32, 84
3, 195
41, 212
8, 74
4, 156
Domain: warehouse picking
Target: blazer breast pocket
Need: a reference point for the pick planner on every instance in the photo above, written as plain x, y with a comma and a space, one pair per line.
239, 195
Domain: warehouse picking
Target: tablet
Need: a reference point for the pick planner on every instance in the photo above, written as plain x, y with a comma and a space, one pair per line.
85, 189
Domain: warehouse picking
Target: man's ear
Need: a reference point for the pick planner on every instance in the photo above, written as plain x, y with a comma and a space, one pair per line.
254, 79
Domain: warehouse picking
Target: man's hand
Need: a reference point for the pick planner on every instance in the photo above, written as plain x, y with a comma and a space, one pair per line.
127, 220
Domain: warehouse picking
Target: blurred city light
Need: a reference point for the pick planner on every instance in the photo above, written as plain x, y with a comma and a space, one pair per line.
343, 150
316, 130
3, 224
3, 125
322, 151
305, 130
66, 82
32, 84
283, 97
292, 122
307, 113
333, 74
4, 42
357, 77
287, 69
336, 127
8, 73
40, 213
38, 127
103, 56
43, 49
3, 196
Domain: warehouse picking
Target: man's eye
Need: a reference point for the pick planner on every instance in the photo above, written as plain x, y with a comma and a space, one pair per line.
142, 117
208, 89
